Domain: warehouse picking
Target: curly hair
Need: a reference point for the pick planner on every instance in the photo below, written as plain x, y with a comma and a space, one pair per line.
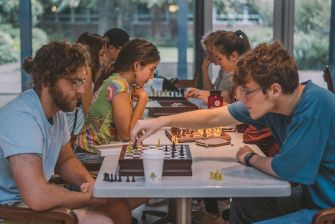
268, 64
230, 42
55, 60
94, 43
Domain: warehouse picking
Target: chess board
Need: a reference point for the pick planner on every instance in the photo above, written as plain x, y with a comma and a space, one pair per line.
177, 162
182, 135
165, 111
171, 105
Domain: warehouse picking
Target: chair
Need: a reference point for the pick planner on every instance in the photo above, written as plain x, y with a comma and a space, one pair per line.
328, 78
27, 215
325, 216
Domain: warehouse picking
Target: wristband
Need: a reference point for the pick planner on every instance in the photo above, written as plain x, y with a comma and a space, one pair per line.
248, 157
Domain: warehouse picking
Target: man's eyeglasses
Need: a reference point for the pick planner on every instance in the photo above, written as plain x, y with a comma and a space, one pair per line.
241, 92
77, 83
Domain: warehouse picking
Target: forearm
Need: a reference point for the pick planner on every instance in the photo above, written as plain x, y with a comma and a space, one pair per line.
263, 163
207, 84
206, 118
73, 171
50, 196
138, 112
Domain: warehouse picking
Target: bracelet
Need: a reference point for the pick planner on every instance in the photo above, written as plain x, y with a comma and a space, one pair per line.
248, 157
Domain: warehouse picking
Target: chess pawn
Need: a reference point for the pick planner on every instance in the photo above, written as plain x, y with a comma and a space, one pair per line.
129, 147
139, 147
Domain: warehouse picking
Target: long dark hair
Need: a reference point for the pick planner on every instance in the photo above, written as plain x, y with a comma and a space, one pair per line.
137, 50
94, 43
229, 41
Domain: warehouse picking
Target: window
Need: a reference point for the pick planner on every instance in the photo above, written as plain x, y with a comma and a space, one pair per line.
311, 38
254, 18
157, 22
10, 75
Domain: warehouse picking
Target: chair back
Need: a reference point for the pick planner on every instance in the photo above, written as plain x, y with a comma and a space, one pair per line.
18, 214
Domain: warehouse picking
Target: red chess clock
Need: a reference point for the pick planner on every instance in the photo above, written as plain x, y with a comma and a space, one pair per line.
215, 99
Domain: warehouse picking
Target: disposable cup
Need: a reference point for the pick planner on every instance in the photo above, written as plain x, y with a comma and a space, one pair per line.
153, 161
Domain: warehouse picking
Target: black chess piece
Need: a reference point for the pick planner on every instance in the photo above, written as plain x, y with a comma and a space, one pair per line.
115, 177
106, 177
204, 133
166, 148
111, 178
119, 180
133, 179
135, 144
127, 179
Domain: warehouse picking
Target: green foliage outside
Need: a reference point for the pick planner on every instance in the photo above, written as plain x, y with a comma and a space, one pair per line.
9, 30
311, 36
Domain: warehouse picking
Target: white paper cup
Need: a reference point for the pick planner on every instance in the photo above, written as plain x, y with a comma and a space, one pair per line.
157, 84
153, 161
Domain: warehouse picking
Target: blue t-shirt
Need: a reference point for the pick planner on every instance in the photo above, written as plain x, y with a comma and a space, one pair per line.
24, 129
307, 139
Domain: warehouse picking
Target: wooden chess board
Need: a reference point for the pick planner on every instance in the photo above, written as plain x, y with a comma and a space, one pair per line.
182, 135
177, 162
171, 105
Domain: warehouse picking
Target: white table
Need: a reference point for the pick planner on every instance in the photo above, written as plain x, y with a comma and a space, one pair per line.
238, 180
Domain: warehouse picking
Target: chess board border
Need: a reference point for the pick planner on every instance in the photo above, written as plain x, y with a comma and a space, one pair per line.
172, 167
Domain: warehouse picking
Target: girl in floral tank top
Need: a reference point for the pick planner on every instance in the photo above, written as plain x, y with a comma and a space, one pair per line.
111, 115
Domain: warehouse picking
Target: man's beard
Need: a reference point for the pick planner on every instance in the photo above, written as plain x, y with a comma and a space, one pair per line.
63, 102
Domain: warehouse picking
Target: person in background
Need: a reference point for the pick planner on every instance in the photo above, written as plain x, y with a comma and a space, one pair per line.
115, 38
226, 49
301, 118
34, 141
207, 44
96, 46
111, 115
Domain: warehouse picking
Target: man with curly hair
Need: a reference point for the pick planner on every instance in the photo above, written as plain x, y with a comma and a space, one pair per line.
34, 140
302, 120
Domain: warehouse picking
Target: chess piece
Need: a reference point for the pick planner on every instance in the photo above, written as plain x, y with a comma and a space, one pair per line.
127, 179
106, 177
119, 180
139, 148
159, 143
111, 177
181, 151
166, 148
204, 133
115, 177
133, 179
129, 148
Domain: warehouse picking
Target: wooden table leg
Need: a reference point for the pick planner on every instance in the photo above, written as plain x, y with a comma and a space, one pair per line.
183, 210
